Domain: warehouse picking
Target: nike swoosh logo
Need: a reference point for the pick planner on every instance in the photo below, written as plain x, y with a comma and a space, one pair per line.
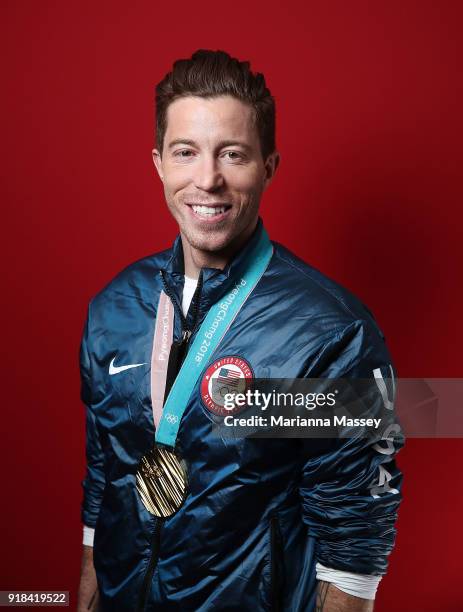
116, 369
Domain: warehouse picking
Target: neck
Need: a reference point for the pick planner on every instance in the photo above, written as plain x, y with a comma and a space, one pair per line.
195, 259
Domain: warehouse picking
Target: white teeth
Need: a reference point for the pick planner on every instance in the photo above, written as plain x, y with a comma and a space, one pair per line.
209, 211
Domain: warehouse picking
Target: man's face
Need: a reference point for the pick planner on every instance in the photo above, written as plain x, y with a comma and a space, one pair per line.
212, 169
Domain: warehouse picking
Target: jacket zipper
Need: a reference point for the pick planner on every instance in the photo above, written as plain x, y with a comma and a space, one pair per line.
186, 335
146, 586
275, 554
195, 303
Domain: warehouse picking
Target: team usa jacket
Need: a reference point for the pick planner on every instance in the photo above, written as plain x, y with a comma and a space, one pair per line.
259, 513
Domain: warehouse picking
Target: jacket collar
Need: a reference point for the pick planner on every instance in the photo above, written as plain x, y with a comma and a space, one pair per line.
216, 282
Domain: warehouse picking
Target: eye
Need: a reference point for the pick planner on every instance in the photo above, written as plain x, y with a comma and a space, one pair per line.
233, 155
184, 153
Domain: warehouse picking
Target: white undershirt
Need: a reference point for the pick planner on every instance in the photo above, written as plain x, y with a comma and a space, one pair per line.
359, 585
188, 292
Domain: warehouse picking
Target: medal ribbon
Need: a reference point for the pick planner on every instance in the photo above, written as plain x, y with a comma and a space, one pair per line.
163, 336
214, 327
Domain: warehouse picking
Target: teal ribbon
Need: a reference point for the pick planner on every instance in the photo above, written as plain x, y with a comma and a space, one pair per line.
214, 327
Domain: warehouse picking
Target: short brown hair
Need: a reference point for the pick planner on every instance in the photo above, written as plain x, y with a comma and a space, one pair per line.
209, 74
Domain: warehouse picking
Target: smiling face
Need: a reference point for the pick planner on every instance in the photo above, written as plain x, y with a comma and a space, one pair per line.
213, 171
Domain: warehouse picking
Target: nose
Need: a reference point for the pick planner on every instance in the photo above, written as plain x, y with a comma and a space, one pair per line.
207, 174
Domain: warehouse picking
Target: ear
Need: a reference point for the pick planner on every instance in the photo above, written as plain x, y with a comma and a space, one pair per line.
271, 165
158, 162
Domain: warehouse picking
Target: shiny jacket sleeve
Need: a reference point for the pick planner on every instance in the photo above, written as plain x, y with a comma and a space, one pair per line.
94, 481
350, 490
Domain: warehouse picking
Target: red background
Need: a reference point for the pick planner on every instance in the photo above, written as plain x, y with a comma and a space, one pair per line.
369, 100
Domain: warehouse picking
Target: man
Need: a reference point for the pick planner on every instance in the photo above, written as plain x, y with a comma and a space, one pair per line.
208, 522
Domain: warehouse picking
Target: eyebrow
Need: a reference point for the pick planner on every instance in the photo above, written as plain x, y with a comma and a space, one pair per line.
221, 144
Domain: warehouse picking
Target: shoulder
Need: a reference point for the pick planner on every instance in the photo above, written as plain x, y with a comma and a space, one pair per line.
353, 340
316, 292
136, 281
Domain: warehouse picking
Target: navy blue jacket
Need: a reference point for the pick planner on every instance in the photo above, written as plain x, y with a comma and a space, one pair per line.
259, 512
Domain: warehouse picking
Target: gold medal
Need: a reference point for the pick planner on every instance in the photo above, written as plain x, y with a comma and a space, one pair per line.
161, 481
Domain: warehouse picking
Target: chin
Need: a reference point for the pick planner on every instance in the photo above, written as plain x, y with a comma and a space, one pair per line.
211, 241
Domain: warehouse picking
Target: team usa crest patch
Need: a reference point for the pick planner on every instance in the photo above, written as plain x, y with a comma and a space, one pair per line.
226, 375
